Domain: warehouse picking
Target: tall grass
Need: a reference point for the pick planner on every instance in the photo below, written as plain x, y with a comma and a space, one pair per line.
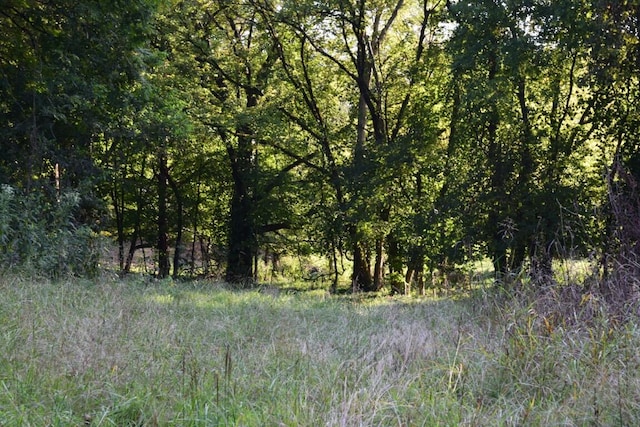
115, 353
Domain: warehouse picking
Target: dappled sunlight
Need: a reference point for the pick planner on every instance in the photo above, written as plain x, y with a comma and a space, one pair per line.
216, 298
162, 298
280, 298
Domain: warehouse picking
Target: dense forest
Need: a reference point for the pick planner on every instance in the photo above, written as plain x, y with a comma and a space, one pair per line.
394, 138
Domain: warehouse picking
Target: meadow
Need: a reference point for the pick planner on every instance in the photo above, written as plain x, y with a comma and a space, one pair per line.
140, 352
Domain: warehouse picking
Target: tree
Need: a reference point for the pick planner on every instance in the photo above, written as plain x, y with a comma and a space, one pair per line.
613, 37
522, 90
234, 62
65, 67
376, 49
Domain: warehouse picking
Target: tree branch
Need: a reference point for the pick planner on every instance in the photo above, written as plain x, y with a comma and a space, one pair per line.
275, 182
306, 160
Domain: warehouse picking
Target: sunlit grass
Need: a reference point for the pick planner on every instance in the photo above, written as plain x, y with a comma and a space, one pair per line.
573, 270
141, 352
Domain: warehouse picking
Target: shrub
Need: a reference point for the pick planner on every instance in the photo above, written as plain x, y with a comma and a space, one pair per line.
43, 236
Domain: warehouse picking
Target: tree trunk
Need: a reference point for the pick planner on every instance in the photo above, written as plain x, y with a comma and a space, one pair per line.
378, 279
136, 232
415, 269
497, 246
241, 239
118, 208
242, 230
177, 254
334, 266
361, 276
196, 219
205, 253
163, 221
394, 259
133, 245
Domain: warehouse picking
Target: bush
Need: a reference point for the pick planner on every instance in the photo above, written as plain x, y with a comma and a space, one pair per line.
43, 236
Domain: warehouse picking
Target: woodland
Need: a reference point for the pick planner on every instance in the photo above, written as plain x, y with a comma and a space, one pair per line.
392, 138
319, 212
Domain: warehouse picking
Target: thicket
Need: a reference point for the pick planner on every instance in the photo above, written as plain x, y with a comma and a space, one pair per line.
44, 237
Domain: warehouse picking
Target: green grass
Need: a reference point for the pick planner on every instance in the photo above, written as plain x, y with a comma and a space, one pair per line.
135, 352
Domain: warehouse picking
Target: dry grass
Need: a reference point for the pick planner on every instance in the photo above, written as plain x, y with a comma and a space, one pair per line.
116, 353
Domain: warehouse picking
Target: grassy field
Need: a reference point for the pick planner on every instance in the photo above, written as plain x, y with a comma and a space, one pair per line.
125, 353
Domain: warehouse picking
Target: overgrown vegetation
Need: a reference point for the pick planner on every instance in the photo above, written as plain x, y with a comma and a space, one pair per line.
158, 353
43, 238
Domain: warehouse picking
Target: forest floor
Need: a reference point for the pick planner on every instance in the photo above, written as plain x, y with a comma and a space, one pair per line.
129, 352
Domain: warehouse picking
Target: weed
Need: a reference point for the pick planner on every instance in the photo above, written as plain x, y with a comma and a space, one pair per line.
114, 352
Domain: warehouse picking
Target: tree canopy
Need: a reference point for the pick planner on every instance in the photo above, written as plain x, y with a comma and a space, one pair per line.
400, 136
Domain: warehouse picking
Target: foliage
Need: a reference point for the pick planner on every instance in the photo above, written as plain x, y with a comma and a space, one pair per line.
523, 84
398, 138
65, 72
44, 238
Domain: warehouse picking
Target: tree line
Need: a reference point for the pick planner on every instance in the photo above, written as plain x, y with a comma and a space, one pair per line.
405, 136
